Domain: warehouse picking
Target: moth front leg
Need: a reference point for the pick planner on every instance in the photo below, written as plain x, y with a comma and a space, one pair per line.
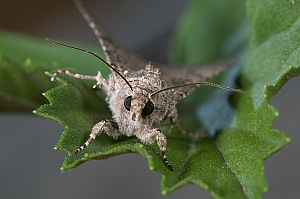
100, 81
161, 141
108, 126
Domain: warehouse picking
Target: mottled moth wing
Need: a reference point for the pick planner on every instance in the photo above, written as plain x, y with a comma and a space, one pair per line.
122, 60
178, 75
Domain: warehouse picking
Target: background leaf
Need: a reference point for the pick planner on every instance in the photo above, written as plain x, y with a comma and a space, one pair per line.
19, 90
23, 61
210, 31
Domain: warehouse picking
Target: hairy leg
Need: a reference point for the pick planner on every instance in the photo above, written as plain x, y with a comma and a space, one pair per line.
161, 141
108, 126
100, 81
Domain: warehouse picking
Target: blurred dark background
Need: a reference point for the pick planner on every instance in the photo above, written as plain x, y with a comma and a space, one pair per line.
141, 26
29, 167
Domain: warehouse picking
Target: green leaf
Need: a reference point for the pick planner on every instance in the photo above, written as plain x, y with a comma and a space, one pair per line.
279, 51
207, 31
19, 90
80, 109
269, 18
23, 61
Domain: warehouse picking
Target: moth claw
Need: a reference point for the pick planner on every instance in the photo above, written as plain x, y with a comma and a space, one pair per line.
53, 77
75, 152
94, 87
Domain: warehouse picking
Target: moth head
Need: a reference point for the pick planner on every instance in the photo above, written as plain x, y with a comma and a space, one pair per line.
139, 106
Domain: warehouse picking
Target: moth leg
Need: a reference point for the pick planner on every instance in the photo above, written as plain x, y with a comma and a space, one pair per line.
161, 141
98, 78
108, 126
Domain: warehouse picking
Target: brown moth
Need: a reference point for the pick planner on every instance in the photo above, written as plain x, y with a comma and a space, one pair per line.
140, 95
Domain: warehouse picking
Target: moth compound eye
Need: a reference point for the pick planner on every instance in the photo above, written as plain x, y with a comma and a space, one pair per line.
148, 109
127, 103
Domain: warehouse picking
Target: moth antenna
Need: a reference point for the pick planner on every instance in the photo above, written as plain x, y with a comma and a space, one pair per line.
200, 84
93, 54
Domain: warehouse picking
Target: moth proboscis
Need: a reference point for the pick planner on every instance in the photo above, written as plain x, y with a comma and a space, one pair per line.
139, 98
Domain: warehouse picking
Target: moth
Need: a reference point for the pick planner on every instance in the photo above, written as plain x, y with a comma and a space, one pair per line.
140, 95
